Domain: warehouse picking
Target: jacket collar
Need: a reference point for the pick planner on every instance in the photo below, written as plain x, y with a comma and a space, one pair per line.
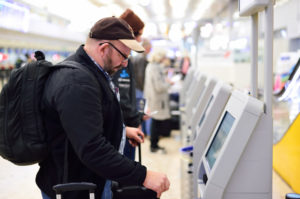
84, 59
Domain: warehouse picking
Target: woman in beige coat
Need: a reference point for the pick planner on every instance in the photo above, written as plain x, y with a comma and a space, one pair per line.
157, 97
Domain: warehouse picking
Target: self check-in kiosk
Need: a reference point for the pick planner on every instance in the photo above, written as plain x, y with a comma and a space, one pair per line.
200, 106
186, 85
195, 93
191, 100
199, 101
236, 161
196, 78
206, 124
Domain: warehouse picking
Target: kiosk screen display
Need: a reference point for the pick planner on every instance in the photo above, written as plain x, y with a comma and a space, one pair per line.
219, 139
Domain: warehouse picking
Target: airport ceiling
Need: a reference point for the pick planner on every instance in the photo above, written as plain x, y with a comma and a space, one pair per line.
171, 11
156, 11
162, 15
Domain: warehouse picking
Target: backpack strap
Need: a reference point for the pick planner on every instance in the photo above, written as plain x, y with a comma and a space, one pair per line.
72, 64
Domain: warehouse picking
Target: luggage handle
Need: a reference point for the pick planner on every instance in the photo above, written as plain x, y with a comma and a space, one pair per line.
115, 186
75, 186
140, 153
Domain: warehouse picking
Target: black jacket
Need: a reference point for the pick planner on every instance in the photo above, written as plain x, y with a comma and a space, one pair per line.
139, 64
124, 80
88, 113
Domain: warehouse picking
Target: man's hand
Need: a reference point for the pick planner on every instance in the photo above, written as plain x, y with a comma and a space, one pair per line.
157, 182
135, 136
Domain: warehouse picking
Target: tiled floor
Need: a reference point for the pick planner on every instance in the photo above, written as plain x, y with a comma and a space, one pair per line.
17, 182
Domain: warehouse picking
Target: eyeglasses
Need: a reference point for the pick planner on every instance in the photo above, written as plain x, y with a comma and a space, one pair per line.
124, 56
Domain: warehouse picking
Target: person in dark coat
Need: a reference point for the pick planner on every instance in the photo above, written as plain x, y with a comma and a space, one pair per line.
124, 80
140, 63
84, 122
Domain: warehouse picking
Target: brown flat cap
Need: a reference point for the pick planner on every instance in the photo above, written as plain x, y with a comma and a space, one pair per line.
112, 28
133, 20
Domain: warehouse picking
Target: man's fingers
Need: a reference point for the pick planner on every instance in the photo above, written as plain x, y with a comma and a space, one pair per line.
141, 135
157, 181
158, 195
133, 142
163, 187
140, 140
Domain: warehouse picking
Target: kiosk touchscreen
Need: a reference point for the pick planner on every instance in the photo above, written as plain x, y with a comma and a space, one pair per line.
206, 124
237, 161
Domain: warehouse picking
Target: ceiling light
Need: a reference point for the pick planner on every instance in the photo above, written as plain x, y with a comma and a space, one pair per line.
163, 28
206, 30
202, 8
189, 27
175, 33
236, 15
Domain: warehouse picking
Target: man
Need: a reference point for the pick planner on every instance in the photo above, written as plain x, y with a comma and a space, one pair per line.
124, 80
140, 63
81, 106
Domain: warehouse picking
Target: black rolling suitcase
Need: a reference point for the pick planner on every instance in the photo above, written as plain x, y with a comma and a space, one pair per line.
119, 192
132, 192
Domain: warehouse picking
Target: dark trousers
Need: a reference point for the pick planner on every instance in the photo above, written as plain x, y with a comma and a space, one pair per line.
159, 128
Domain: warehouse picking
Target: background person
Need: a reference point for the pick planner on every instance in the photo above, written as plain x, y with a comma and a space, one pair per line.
140, 63
124, 80
185, 64
157, 97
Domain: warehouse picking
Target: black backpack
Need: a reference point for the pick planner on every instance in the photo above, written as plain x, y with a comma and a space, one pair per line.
22, 131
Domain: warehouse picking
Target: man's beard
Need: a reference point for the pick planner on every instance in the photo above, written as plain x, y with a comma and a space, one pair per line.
109, 68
